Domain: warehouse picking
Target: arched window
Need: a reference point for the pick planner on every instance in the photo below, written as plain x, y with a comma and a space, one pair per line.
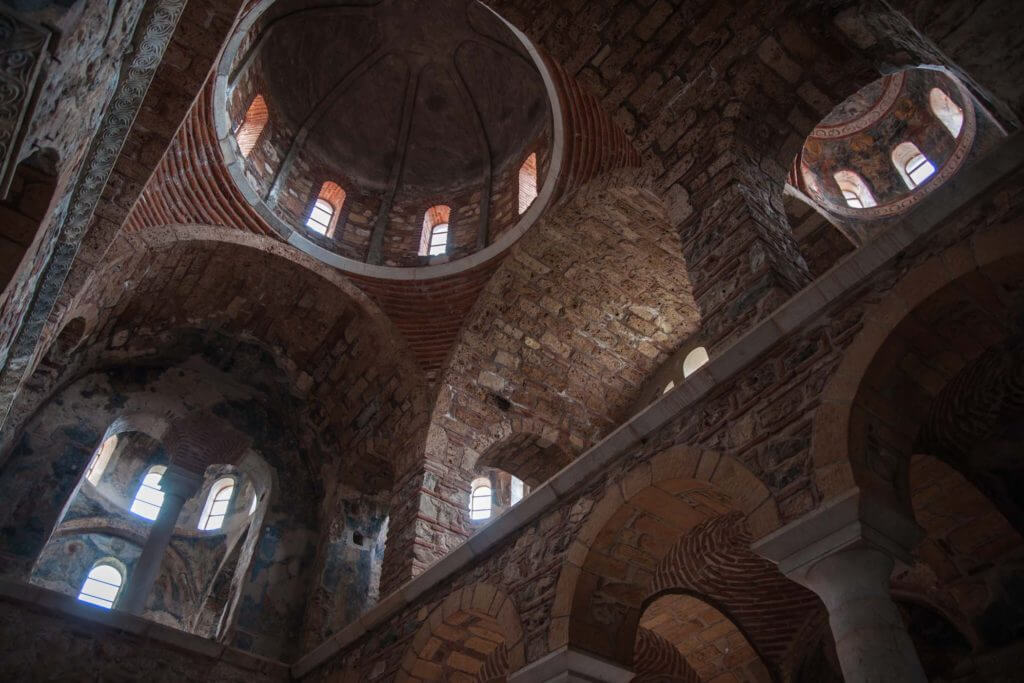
249, 130
527, 183
480, 499
99, 461
434, 240
913, 166
323, 217
855, 190
694, 359
149, 498
217, 502
946, 111
102, 585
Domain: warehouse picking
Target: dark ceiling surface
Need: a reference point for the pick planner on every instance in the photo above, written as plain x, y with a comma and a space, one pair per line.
353, 75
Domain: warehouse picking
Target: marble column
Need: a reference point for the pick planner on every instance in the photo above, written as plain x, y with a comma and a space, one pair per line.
845, 552
178, 486
569, 665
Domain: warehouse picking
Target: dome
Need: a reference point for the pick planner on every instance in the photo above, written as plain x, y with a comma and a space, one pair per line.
891, 143
379, 122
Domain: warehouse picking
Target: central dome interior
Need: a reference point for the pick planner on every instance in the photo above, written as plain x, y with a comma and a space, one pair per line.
405, 105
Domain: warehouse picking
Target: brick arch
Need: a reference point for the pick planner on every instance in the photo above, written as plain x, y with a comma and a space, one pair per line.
474, 634
656, 659
843, 456
613, 561
200, 439
713, 564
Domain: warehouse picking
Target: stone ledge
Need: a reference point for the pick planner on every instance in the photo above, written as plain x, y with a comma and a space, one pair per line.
842, 279
41, 599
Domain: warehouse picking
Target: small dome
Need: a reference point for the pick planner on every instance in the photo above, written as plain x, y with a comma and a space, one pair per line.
403, 105
882, 149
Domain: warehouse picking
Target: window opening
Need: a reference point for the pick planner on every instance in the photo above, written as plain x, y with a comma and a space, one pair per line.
668, 387
101, 586
517, 490
434, 240
255, 120
694, 360
527, 183
438, 239
217, 502
149, 498
912, 164
321, 217
946, 111
480, 500
252, 506
99, 461
855, 190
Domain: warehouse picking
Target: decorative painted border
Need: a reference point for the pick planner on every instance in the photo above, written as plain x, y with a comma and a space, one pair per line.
953, 164
893, 87
22, 47
156, 25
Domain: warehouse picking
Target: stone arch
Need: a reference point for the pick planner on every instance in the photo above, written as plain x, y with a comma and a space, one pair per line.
646, 511
839, 438
474, 634
532, 458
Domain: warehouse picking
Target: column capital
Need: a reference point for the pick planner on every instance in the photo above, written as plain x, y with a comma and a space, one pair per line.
179, 482
853, 520
569, 665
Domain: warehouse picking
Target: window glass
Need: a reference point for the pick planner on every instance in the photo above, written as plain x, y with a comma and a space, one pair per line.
946, 111
527, 183
855, 190
99, 461
101, 586
320, 217
438, 239
480, 502
912, 164
149, 498
216, 508
694, 360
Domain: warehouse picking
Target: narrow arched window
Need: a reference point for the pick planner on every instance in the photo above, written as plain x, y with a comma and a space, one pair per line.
855, 190
102, 585
912, 164
694, 360
323, 217
527, 183
946, 111
217, 502
480, 500
99, 461
149, 498
434, 240
249, 130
